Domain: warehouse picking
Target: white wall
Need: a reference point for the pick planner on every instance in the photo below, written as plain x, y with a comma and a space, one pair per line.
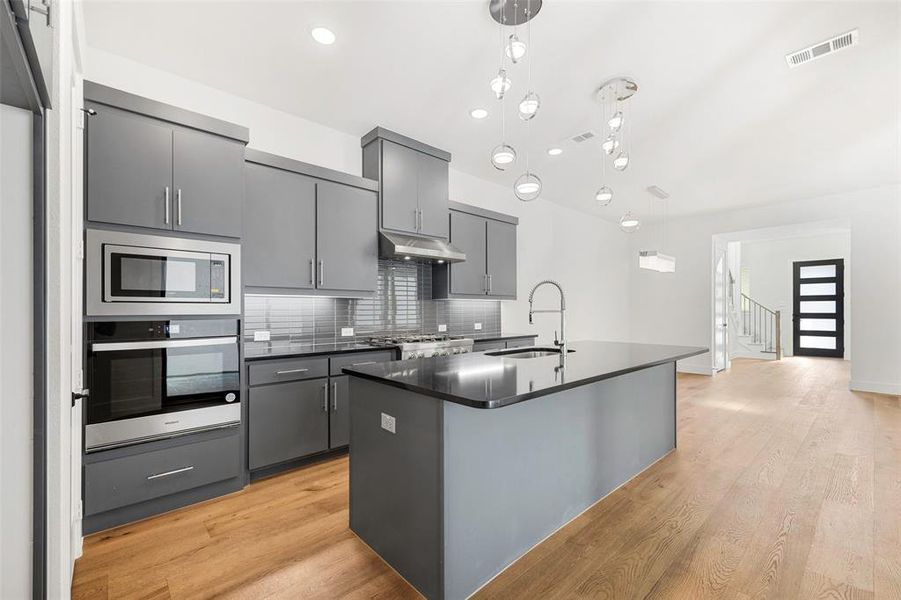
586, 254
769, 265
16, 364
676, 308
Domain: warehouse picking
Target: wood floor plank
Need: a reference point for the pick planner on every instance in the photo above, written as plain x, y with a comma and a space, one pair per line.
785, 485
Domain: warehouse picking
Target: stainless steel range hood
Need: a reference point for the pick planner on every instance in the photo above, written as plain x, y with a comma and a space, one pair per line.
399, 245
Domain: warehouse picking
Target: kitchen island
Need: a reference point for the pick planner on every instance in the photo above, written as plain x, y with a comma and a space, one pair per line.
460, 465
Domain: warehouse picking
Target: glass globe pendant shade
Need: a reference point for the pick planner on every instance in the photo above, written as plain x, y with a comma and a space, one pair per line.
529, 105
610, 144
621, 161
515, 48
500, 84
616, 121
629, 223
604, 196
527, 187
503, 156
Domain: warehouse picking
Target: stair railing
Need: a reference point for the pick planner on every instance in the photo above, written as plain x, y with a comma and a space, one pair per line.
763, 325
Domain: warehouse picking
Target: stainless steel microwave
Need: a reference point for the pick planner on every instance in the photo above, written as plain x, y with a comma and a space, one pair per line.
148, 275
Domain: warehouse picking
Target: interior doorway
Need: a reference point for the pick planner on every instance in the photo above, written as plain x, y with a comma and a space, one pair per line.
818, 308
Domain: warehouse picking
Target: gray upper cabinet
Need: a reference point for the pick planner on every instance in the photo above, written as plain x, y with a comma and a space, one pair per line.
346, 243
413, 177
501, 259
154, 165
468, 233
129, 169
208, 181
400, 188
308, 228
489, 241
279, 242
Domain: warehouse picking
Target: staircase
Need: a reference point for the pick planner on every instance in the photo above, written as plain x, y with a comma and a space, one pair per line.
759, 331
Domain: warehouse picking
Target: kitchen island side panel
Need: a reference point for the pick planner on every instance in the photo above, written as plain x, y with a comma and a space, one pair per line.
514, 475
395, 480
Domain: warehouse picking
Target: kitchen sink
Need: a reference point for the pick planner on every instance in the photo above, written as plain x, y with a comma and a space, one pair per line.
527, 352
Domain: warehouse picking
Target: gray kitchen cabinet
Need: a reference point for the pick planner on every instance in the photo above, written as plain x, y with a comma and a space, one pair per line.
501, 259
149, 164
287, 421
129, 168
208, 182
279, 242
468, 233
413, 177
489, 345
346, 243
400, 187
339, 419
433, 192
489, 241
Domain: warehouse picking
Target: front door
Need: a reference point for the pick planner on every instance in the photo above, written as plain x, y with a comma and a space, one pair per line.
819, 308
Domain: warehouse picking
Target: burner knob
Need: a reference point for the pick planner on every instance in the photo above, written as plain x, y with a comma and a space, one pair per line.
436, 353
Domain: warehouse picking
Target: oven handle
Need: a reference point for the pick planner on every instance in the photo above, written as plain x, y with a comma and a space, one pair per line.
154, 344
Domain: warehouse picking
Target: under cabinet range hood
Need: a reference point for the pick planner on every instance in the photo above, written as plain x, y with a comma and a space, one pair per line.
408, 247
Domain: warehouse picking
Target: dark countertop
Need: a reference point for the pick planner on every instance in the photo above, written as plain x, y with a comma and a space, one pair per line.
482, 381
264, 350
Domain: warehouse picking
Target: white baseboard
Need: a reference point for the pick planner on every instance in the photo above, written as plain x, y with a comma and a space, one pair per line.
695, 369
750, 354
876, 387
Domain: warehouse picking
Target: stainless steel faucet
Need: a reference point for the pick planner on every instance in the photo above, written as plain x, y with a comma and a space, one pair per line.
561, 343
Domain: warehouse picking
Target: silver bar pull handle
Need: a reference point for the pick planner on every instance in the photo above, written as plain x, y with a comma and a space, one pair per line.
166, 204
489, 283
368, 362
157, 344
324, 397
291, 371
416, 219
168, 473
334, 396
321, 272
312, 272
178, 205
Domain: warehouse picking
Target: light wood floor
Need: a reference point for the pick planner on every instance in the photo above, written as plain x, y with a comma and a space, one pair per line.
784, 485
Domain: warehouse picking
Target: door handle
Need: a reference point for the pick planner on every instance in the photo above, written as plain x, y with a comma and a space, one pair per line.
178, 206
334, 396
321, 272
489, 283
291, 371
166, 204
168, 473
312, 273
325, 397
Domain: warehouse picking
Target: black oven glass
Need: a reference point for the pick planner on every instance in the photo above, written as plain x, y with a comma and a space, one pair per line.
160, 276
136, 382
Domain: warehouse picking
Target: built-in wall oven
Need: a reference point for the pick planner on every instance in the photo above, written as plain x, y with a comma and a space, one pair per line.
156, 379
139, 274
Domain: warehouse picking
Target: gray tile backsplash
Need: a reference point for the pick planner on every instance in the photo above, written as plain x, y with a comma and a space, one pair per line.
401, 304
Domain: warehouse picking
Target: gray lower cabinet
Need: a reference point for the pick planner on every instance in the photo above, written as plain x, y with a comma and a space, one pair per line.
287, 421
148, 172
208, 181
488, 345
129, 168
339, 420
346, 243
279, 242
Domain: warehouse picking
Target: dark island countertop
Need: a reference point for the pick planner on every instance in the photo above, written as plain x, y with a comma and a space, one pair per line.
482, 381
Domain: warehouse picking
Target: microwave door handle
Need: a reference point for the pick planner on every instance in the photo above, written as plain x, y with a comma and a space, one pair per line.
156, 344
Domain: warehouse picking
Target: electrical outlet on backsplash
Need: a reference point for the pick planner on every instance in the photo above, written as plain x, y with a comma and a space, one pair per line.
402, 304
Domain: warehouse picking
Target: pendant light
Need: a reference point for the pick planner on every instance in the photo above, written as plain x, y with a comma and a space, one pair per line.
613, 95
621, 161
616, 121
500, 84
503, 156
610, 144
630, 223
515, 48
604, 196
655, 260
528, 186
529, 106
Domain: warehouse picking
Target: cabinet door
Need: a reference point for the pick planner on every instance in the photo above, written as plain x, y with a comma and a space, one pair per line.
279, 244
129, 169
399, 187
287, 421
208, 175
501, 259
339, 418
347, 238
468, 233
433, 196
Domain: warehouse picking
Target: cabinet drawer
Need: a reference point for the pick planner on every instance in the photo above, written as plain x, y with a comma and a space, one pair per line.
132, 479
493, 345
359, 358
287, 369
520, 342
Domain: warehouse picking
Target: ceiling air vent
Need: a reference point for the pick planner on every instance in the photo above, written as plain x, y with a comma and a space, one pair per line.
582, 137
805, 55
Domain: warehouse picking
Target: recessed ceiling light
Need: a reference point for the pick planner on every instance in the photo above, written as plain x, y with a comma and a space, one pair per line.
323, 35
555, 151
478, 113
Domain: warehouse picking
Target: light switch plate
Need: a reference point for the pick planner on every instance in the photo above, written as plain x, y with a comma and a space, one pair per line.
478, 327
389, 423
347, 331
442, 327
261, 336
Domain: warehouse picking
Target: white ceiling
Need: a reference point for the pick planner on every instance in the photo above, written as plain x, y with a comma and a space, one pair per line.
719, 120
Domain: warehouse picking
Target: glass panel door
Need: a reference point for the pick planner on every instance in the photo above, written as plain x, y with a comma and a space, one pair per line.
819, 308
